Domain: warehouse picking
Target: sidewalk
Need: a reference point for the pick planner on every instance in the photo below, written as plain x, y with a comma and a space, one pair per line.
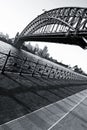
66, 114
20, 95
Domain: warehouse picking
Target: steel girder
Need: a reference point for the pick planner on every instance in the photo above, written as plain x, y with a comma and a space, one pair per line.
72, 17
65, 21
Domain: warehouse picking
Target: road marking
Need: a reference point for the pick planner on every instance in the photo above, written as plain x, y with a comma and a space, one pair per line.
67, 113
43, 108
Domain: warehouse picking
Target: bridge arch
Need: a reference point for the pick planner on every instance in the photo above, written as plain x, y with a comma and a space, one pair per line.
59, 25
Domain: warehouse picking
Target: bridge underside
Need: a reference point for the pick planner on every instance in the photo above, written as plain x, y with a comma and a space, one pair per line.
70, 40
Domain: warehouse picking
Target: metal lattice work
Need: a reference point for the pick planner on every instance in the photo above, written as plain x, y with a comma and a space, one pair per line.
62, 25
36, 68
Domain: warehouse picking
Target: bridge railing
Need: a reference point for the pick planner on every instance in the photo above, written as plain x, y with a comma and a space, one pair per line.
12, 63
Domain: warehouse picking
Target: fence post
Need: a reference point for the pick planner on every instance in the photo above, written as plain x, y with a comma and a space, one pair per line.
3, 69
50, 71
35, 67
55, 73
20, 72
43, 70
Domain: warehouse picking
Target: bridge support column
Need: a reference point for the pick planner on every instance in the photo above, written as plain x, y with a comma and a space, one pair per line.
18, 43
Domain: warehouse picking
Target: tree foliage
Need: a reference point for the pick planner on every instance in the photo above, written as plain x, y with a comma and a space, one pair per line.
5, 38
79, 70
45, 54
36, 50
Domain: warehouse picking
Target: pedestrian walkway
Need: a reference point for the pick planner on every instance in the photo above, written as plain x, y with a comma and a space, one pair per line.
21, 95
52, 117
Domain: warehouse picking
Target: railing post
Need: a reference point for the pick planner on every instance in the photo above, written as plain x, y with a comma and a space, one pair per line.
3, 69
20, 72
55, 73
50, 71
43, 70
35, 67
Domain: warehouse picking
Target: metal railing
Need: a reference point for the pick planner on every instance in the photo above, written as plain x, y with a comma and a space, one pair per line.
12, 63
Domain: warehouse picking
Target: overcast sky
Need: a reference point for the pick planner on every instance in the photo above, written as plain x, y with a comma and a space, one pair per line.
16, 14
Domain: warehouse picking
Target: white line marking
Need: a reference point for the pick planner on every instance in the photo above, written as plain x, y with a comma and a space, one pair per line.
33, 111
67, 113
40, 109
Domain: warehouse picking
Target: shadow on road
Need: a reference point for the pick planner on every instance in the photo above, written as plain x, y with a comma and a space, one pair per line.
31, 93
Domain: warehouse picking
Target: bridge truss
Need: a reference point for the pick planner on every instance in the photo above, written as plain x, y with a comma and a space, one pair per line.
66, 25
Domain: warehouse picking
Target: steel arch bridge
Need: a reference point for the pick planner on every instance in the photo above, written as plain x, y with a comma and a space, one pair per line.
67, 25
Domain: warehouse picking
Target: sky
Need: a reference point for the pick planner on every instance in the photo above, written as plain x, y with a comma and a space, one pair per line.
16, 14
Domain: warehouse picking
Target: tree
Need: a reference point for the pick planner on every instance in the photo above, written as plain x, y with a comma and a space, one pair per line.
40, 52
7, 36
77, 69
45, 51
36, 49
